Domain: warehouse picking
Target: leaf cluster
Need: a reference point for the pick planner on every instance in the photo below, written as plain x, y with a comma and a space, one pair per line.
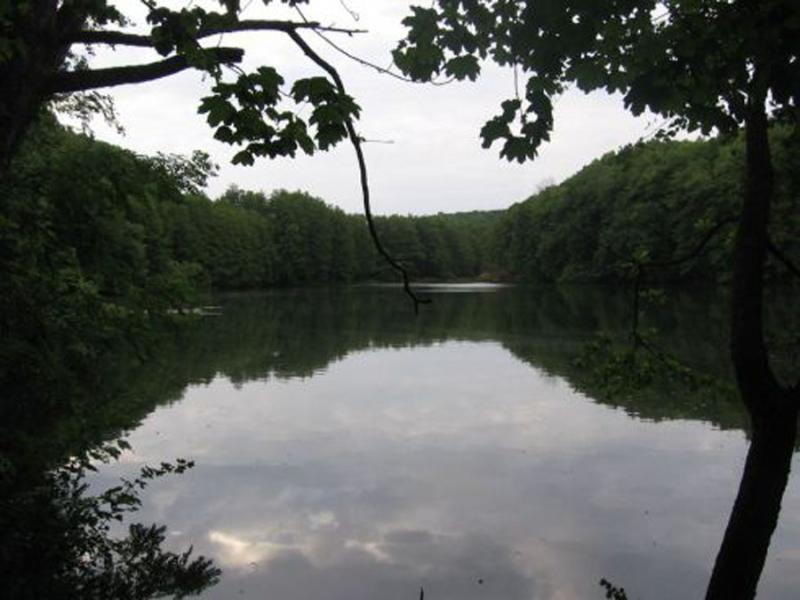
62, 540
694, 62
247, 113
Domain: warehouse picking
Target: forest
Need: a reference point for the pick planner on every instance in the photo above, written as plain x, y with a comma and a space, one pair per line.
99, 242
138, 232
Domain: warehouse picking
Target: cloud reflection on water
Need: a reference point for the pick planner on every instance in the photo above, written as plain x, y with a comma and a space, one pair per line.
361, 483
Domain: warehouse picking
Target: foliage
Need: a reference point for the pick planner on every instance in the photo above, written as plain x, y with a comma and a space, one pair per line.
693, 62
58, 540
247, 109
654, 201
613, 592
85, 264
618, 371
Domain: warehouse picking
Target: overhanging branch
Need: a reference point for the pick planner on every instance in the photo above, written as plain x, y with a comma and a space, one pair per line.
75, 81
696, 251
112, 38
362, 167
122, 38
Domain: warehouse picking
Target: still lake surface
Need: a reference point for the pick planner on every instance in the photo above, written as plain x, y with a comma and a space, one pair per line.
346, 449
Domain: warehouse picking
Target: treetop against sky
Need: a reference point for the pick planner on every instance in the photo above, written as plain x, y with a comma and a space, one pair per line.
426, 157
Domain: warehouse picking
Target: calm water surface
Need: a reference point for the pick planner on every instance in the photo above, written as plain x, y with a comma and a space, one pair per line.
348, 450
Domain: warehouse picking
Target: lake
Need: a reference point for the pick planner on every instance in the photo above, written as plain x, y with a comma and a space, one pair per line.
346, 449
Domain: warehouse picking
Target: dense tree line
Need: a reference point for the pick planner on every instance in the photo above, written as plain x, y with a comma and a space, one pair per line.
84, 257
97, 242
247, 239
651, 202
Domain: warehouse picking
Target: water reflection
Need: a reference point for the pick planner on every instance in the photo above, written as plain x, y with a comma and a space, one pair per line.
299, 333
346, 449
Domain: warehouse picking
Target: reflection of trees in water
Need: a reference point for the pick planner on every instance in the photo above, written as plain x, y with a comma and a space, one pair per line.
296, 334
57, 539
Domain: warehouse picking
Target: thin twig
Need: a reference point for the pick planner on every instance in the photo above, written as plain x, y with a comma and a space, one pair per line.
695, 252
353, 14
122, 38
363, 61
640, 266
362, 167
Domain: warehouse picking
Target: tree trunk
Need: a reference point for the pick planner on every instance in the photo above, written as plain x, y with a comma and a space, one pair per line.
39, 51
20, 102
755, 513
773, 414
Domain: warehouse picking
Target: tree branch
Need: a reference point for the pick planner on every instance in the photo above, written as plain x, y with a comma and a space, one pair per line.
777, 253
362, 167
695, 252
640, 266
130, 39
364, 62
112, 38
74, 81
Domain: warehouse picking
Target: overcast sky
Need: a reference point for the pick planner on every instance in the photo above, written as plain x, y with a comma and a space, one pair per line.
435, 162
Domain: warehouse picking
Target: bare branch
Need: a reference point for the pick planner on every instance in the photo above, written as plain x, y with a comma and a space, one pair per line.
777, 253
129, 39
696, 251
362, 167
275, 25
639, 276
74, 81
112, 38
364, 62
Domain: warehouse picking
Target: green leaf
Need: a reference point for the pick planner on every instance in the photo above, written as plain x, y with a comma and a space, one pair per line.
243, 157
463, 67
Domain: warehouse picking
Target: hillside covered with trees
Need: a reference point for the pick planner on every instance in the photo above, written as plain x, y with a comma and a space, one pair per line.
655, 202
138, 230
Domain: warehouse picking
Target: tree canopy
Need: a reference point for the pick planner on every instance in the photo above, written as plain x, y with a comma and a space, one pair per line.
697, 63
247, 109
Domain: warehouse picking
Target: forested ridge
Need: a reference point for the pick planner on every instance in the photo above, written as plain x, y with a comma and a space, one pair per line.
654, 202
139, 228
